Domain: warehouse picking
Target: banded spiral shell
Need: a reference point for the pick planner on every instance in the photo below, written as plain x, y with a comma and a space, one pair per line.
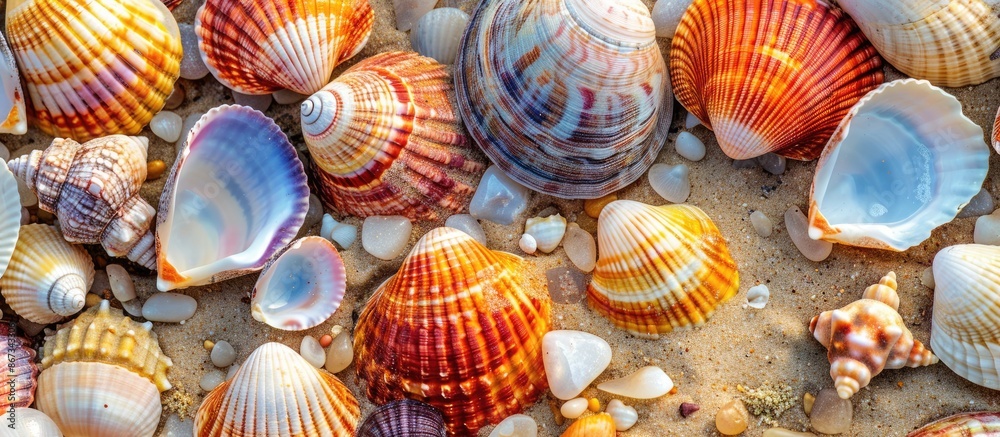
770, 76
405, 417
21, 376
568, 97
476, 369
13, 118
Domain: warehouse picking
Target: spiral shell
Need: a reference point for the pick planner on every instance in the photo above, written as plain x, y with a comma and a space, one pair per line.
301, 286
598, 425
405, 417
13, 118
21, 376
10, 215
973, 424
476, 369
797, 68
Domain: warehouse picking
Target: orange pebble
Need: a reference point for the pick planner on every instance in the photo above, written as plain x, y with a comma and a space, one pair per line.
594, 405
325, 340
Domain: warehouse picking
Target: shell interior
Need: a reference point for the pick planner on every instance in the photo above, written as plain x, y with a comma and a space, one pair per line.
301, 287
10, 215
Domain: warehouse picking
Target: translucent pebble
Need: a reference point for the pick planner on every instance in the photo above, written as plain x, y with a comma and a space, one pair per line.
689, 146
798, 229
101, 282
385, 237
259, 102
192, 66
761, 223
981, 203
120, 282
572, 360
25, 216
468, 224
169, 307
438, 34
312, 351
987, 229
772, 163
691, 121
409, 11
580, 247
166, 125
189, 123
518, 425
212, 379
741, 164
232, 371
223, 354
498, 198
624, 416
646, 383
287, 97
667, 15
315, 212
177, 427
594, 405
133, 307
831, 414
527, 244
573, 408
757, 296
340, 354
782, 432
927, 278
807, 402
732, 418
327, 227
593, 207
670, 182
176, 97
4, 153
28, 197
566, 285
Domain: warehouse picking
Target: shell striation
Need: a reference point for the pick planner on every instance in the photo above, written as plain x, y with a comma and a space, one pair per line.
573, 100
770, 76
405, 417
301, 286
972, 424
660, 267
262, 46
385, 140
13, 118
598, 425
21, 375
10, 215
94, 190
459, 327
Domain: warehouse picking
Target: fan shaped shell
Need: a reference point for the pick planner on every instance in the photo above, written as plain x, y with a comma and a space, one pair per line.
598, 425
10, 215
21, 376
31, 423
301, 286
405, 417
13, 118
972, 424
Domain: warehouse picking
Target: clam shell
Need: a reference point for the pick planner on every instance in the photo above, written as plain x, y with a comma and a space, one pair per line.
301, 286
258, 46
972, 424
384, 140
10, 215
226, 210
405, 417
547, 232
476, 369
299, 400
598, 425
577, 107
13, 118
47, 278
800, 66
94, 67
438, 33
21, 375
30, 422
902, 162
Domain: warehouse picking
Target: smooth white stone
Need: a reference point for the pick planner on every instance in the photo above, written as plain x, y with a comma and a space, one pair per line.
527, 244
312, 351
573, 359
212, 379
27, 422
340, 354
691, 121
689, 146
757, 296
189, 123
797, 226
772, 163
176, 427
192, 66
28, 197
761, 223
176, 97
580, 247
498, 198
167, 125
670, 182
327, 227
468, 224
287, 97
623, 415
987, 229
385, 237
133, 307
573, 408
667, 15
927, 278
548, 231
409, 11
518, 425
646, 383
169, 307
223, 354
121, 283
438, 34
259, 102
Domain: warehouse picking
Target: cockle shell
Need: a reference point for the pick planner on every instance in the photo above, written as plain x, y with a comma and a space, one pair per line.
866, 336
47, 278
973, 424
20, 377
951, 43
298, 400
235, 196
10, 215
13, 118
660, 267
301, 286
384, 140
902, 162
477, 368
94, 67
94, 190
29, 422
405, 417
263, 46
598, 425
573, 100
770, 76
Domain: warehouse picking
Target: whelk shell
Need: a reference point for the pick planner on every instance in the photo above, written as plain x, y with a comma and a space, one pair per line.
21, 376
10, 215
973, 424
301, 286
13, 118
405, 417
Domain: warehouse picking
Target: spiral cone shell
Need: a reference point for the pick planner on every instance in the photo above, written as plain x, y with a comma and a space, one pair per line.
21, 377
459, 327
13, 118
598, 425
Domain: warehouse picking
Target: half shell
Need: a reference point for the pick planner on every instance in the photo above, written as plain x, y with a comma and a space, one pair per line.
21, 375
902, 162
573, 100
459, 327
660, 267
31, 423
974, 424
10, 215
301, 286
13, 118
405, 417
770, 76
235, 196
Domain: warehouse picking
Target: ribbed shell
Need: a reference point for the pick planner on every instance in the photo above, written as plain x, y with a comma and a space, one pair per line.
438, 34
275, 393
47, 278
21, 373
94, 190
301, 286
459, 327
31, 423
660, 267
262, 46
10, 215
770, 75
973, 424
385, 140
568, 97
13, 118
94, 67
171, 4
405, 417
598, 425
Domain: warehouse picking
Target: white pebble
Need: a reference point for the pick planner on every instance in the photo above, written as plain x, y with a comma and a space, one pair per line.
167, 125
287, 97
327, 225
259, 102
580, 247
623, 415
772, 163
667, 15
498, 198
572, 360
987, 229
192, 66
312, 351
341, 353
176, 427
409, 11
121, 283
691, 121
212, 379
527, 244
133, 307
518, 425
468, 224
797, 226
232, 371
223, 354
670, 182
169, 307
761, 223
189, 123
646, 383
927, 278
385, 237
573, 408
689, 146
757, 296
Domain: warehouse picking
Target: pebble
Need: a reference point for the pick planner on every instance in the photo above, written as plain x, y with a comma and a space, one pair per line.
385, 237
831, 414
155, 169
4, 153
594, 405
325, 340
593, 207
91, 300
927, 278
25, 216
572, 360
687, 408
212, 379
757, 296
167, 125
518, 425
498, 198
782, 432
548, 231
223, 354
623, 415
28, 197
573, 408
981, 203
807, 402
580, 247
169, 307
121, 283
797, 226
409, 11
468, 224
208, 345
189, 123
176, 427
312, 351
192, 66
566, 285
287, 97
691, 121
315, 212
761, 223
101, 282
987, 229
133, 307
30, 328
176, 97
341, 233
772, 163
732, 418
527, 244
667, 15
649, 382
689, 146
742, 164
341, 352
670, 182
259, 102
232, 371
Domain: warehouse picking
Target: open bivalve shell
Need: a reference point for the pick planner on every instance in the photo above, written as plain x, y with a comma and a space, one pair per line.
660, 267
235, 196
10, 215
902, 162
301, 286
573, 101
459, 327
13, 118
276, 393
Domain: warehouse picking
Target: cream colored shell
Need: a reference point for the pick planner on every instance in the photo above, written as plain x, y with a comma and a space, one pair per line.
13, 119
10, 215
30, 423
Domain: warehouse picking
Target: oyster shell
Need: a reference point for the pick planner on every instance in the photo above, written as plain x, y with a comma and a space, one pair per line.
13, 118
301, 286
405, 417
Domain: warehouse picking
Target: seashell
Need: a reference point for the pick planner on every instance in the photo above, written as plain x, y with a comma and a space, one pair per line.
405, 417
94, 190
30, 423
405, 338
94, 67
385, 141
660, 267
10, 215
438, 33
649, 382
341, 233
670, 182
167, 126
13, 118
307, 400
47, 278
547, 231
623, 415
902, 162
866, 336
21, 376
598, 425
578, 107
800, 66
259, 47
172, 4
226, 210
758, 295
301, 286
979, 423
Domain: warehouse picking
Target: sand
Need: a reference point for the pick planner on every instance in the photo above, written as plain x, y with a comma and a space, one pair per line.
737, 346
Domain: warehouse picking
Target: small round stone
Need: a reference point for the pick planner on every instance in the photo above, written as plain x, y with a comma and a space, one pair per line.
927, 278
121, 283
772, 163
223, 354
689, 146
133, 307
761, 224
518, 425
314, 214
691, 121
287, 97
798, 230
176, 97
831, 414
757, 296
167, 125
981, 203
91, 300
527, 244
385, 237
175, 427
468, 224
687, 408
594, 405
593, 207
325, 340
155, 169
580, 247
312, 351
573, 408
782, 432
192, 66
807, 402
341, 353
25, 216
212, 379
259, 102
733, 418
987, 230
169, 307
208, 345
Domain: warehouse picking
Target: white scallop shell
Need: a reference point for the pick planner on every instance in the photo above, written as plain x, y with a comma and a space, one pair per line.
13, 119
438, 34
548, 231
29, 422
10, 215
301, 286
902, 162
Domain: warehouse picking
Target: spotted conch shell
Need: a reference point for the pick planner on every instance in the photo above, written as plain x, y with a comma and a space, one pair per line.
13, 119
866, 336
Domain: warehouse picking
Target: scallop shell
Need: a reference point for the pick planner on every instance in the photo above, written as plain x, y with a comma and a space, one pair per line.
598, 425
21, 376
405, 417
385, 141
226, 210
476, 369
257, 401
47, 278
902, 162
951, 43
13, 118
94, 190
973, 424
547, 232
301, 286
573, 101
660, 267
438, 33
799, 66
258, 47
30, 422
94, 67
10, 215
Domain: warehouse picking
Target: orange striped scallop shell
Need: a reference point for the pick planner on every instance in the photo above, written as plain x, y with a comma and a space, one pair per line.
598, 425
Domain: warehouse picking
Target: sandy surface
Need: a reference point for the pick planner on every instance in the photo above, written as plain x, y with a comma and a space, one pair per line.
737, 346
